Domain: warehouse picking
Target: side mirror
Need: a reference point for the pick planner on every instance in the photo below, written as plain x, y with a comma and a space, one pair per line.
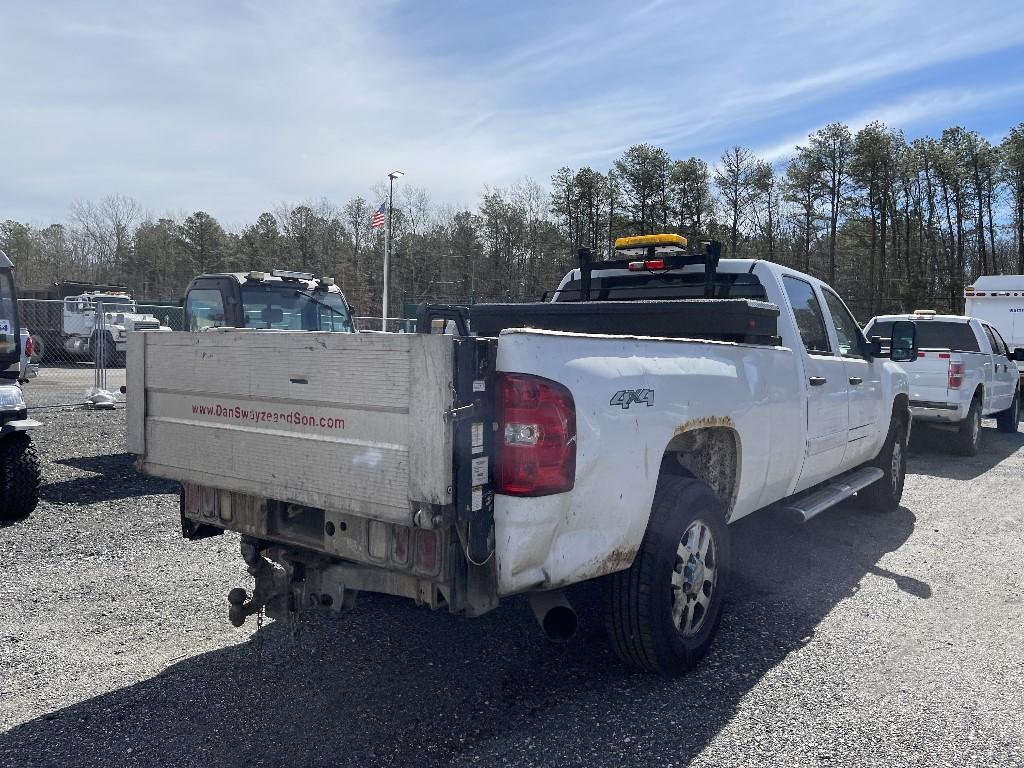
903, 347
1017, 354
875, 346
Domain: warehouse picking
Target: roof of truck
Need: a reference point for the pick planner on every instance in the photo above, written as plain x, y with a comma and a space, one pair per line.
999, 283
243, 277
922, 317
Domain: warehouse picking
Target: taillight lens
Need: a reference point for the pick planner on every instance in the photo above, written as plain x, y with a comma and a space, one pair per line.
29, 347
956, 375
536, 453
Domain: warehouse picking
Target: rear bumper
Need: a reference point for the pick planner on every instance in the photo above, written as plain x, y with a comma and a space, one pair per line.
928, 410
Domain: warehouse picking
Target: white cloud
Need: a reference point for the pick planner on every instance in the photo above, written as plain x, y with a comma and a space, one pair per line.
231, 108
907, 113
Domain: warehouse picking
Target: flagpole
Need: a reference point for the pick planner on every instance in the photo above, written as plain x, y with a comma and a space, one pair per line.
387, 248
387, 268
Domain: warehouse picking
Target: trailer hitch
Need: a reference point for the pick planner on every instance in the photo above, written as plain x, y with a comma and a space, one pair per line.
272, 585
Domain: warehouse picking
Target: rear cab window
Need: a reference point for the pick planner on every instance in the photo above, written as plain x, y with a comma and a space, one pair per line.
284, 306
664, 285
934, 334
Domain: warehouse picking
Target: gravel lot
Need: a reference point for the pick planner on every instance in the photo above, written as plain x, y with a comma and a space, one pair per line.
67, 383
856, 639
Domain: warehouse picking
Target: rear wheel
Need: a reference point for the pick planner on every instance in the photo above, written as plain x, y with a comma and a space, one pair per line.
1007, 421
111, 357
968, 437
664, 610
19, 477
885, 494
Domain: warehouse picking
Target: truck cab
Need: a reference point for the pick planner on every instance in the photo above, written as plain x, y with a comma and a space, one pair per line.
281, 300
97, 323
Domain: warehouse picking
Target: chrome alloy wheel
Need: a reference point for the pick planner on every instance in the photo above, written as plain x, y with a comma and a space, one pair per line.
896, 470
976, 427
694, 578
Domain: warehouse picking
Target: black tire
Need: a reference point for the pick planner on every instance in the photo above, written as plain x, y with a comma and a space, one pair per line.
967, 440
1007, 421
19, 477
111, 357
641, 600
885, 494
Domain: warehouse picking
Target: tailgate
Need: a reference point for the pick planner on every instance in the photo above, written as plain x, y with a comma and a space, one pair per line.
929, 375
351, 422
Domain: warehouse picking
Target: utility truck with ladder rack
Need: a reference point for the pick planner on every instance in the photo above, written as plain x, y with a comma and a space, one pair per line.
610, 432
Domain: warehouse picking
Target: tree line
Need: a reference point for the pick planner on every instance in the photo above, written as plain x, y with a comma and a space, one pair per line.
894, 224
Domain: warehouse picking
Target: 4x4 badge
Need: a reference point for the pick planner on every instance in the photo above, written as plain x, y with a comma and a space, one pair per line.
626, 397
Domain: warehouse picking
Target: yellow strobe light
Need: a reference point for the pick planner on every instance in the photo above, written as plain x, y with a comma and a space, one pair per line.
646, 241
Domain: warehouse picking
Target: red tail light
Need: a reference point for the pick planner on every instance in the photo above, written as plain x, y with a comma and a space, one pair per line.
956, 375
648, 264
536, 453
29, 347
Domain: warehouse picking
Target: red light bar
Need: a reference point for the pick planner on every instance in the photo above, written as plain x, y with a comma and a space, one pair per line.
649, 264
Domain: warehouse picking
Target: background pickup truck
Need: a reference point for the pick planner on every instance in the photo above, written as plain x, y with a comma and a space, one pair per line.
964, 371
612, 433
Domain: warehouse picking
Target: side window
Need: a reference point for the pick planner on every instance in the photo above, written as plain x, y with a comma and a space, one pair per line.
846, 327
809, 320
1001, 340
204, 308
998, 348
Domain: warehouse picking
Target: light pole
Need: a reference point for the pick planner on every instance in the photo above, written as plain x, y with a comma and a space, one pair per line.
387, 246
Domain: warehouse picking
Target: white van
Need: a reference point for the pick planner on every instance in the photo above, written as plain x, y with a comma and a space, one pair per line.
999, 301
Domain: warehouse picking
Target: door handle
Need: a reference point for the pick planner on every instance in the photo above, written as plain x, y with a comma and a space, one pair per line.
856, 380
817, 381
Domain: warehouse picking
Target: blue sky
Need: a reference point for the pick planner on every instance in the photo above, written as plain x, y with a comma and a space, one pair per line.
235, 107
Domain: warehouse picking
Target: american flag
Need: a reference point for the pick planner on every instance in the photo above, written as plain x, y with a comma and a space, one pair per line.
378, 217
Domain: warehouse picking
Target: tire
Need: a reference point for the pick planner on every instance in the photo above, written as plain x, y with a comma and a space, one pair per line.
644, 601
1007, 421
885, 494
111, 357
967, 440
19, 477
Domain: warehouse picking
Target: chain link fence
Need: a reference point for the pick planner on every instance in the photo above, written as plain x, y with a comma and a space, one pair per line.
78, 346
390, 324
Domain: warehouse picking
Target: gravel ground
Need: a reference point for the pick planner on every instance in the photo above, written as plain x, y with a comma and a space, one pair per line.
857, 639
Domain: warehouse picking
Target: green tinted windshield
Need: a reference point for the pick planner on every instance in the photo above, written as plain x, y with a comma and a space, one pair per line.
286, 307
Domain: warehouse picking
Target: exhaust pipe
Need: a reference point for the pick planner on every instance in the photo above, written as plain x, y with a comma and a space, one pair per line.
554, 614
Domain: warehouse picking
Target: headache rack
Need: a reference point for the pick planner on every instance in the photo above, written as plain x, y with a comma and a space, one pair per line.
722, 307
710, 258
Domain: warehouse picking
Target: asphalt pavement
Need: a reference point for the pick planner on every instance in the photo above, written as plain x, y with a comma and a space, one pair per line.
856, 639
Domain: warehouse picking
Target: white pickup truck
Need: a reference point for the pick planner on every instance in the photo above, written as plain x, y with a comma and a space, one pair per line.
964, 371
612, 432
